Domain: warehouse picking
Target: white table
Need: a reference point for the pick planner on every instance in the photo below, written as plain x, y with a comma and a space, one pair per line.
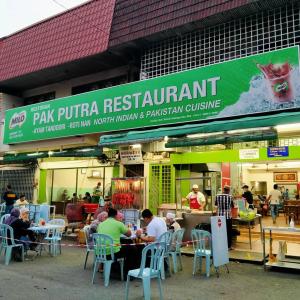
41, 231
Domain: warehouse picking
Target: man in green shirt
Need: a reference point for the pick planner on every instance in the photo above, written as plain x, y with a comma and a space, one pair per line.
114, 228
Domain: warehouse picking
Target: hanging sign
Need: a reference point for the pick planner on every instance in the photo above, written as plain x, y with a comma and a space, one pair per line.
219, 241
254, 84
131, 156
278, 151
249, 153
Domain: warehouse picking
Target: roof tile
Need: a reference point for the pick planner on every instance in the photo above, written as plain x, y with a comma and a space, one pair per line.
135, 19
72, 35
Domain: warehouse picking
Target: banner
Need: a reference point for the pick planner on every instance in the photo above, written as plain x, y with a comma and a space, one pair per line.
255, 84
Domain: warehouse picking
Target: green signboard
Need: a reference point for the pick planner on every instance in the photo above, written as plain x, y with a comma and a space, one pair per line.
255, 84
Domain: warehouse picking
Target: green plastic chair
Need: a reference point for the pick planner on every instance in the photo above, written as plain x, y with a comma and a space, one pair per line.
175, 250
156, 252
7, 234
166, 238
103, 247
202, 248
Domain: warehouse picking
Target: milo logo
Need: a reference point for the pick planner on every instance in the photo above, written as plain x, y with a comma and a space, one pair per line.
17, 119
281, 87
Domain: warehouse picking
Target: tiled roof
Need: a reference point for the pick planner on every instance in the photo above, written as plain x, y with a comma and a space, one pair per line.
72, 35
134, 19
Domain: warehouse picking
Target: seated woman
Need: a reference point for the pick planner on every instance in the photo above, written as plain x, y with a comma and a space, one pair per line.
20, 227
94, 225
14, 215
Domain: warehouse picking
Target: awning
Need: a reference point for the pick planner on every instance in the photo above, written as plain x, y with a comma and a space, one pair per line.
145, 136
32, 157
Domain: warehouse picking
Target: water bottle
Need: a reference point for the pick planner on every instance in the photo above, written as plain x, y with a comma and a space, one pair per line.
292, 223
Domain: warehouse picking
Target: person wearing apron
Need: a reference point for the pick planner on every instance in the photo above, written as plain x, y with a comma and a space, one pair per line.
196, 199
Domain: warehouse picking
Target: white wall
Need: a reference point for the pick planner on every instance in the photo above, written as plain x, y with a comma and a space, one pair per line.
267, 176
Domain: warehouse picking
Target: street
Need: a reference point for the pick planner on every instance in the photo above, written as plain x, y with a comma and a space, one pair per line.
63, 277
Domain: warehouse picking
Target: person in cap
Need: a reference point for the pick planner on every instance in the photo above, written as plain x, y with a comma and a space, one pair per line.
247, 195
224, 203
172, 225
196, 199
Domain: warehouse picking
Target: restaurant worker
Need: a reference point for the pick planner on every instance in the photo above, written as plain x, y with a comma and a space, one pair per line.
114, 228
247, 195
155, 227
9, 197
22, 201
224, 204
196, 199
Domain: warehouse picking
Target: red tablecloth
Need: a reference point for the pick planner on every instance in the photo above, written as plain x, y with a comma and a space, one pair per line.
90, 208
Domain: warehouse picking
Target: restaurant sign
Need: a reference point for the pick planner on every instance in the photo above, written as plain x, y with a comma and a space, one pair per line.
278, 151
245, 86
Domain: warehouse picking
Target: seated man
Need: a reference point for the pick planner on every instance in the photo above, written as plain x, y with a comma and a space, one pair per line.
21, 202
114, 228
155, 227
171, 222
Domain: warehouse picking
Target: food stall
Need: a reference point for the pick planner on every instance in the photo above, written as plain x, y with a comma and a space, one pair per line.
128, 193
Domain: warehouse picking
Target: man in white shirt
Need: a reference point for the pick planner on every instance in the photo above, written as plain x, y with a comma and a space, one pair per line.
274, 200
155, 227
21, 202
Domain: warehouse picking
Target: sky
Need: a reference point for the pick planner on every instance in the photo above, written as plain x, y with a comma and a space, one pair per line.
18, 14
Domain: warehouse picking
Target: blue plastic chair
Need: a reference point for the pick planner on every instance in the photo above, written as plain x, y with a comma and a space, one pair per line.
54, 236
175, 249
202, 248
2, 209
103, 247
157, 252
166, 238
89, 246
3, 218
7, 234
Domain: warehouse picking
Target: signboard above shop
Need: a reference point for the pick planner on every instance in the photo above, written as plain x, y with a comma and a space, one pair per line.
255, 84
278, 151
249, 153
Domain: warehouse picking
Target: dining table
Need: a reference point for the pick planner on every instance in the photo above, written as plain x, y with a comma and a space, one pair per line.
41, 232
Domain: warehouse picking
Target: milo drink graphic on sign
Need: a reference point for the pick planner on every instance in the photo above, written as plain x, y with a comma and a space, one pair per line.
279, 81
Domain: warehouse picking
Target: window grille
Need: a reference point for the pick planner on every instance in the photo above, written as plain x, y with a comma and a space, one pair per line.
262, 32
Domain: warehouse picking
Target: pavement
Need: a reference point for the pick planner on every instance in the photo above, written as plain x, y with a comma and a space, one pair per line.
63, 277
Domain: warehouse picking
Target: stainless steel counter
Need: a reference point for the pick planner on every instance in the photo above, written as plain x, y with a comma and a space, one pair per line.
190, 220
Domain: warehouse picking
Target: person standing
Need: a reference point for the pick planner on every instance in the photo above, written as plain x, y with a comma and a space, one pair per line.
274, 200
247, 195
196, 199
9, 197
224, 204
